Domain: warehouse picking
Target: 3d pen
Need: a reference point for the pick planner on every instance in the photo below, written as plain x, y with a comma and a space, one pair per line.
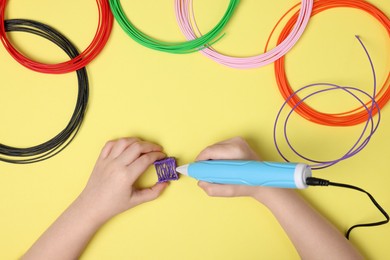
253, 173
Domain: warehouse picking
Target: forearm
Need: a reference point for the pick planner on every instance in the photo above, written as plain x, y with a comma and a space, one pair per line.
312, 235
68, 236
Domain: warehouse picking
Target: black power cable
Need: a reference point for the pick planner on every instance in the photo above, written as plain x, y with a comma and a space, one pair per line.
321, 182
56, 144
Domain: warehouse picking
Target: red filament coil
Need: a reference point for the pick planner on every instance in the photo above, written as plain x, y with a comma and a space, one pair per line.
99, 41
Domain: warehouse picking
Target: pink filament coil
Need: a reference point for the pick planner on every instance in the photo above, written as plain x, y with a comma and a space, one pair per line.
186, 19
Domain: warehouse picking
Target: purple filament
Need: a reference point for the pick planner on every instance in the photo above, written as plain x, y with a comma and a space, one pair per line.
166, 169
359, 144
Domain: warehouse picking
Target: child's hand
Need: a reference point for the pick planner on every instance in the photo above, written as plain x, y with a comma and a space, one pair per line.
232, 149
110, 189
235, 148
108, 192
304, 226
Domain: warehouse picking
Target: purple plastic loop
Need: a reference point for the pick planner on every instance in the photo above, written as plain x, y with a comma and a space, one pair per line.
166, 170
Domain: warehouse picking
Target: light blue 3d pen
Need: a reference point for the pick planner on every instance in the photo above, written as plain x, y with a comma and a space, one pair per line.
253, 173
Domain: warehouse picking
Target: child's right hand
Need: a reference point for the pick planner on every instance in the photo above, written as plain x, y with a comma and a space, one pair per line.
232, 149
110, 189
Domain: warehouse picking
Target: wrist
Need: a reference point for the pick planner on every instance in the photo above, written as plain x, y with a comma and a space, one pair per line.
90, 210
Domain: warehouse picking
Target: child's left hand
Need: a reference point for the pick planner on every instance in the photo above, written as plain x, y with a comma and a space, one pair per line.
232, 149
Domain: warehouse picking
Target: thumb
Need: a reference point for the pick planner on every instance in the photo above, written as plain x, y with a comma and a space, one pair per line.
148, 194
214, 152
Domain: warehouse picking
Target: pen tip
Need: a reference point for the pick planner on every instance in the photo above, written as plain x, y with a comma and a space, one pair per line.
182, 169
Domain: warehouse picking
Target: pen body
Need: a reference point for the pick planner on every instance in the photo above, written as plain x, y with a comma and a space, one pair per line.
253, 173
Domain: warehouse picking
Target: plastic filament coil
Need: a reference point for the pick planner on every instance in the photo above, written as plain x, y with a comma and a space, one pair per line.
348, 118
61, 140
171, 47
81, 60
363, 139
186, 18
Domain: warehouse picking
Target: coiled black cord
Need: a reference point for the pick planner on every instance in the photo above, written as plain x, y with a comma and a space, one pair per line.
55, 145
321, 182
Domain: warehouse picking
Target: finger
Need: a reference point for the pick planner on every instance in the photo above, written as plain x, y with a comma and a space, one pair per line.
223, 190
145, 195
233, 140
215, 152
132, 152
142, 163
221, 150
106, 149
120, 145
232, 149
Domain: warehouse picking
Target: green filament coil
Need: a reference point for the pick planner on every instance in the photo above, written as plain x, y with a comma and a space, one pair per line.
171, 47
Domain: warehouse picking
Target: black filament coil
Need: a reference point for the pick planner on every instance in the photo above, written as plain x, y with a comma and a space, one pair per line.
59, 142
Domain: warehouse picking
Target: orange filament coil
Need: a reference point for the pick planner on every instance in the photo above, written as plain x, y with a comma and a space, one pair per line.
349, 118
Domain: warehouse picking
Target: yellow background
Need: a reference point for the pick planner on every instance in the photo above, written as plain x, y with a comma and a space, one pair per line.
185, 103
